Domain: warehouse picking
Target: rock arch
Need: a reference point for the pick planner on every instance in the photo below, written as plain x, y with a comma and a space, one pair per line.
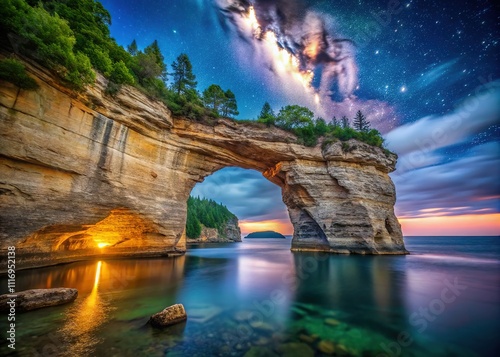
90, 174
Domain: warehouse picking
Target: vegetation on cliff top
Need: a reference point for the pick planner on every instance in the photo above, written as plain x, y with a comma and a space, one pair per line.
73, 39
201, 211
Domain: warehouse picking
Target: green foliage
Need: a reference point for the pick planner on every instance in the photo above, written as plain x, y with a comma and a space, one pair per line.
229, 105
184, 79
213, 97
207, 212
120, 74
293, 117
267, 115
47, 38
11, 70
299, 120
219, 102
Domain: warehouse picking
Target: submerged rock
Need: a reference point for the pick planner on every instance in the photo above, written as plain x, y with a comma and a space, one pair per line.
326, 347
169, 316
260, 352
295, 349
37, 298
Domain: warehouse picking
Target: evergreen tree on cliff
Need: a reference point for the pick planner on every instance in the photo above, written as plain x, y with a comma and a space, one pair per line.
267, 115
214, 97
360, 122
184, 79
229, 106
154, 51
345, 122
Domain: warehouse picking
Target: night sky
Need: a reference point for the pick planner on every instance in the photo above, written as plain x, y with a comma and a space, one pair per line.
425, 73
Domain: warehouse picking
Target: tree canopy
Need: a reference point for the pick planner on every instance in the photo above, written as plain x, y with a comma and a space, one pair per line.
202, 211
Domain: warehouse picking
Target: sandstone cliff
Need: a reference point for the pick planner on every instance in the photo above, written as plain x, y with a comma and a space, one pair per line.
88, 174
230, 233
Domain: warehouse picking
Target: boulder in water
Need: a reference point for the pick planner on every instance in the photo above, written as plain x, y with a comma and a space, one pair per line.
171, 315
37, 298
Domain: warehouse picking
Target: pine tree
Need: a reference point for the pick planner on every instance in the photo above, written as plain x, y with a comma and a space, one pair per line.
360, 122
345, 122
335, 122
132, 48
184, 79
214, 98
154, 50
267, 115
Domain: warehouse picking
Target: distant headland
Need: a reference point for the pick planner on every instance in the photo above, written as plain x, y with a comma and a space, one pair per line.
266, 234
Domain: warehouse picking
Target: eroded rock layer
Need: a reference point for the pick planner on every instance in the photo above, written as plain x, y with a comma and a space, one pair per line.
89, 174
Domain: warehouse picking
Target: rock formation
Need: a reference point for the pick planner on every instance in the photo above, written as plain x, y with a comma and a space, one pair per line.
33, 299
86, 174
171, 315
230, 233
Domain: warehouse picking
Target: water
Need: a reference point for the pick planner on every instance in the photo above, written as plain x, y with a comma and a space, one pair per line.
258, 298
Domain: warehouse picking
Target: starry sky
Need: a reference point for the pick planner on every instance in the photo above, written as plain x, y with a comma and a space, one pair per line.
425, 72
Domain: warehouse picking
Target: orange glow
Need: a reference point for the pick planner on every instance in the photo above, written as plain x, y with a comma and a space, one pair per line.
283, 227
102, 245
463, 225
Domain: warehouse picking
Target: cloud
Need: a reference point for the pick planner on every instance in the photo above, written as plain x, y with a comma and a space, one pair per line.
417, 142
246, 193
431, 182
467, 185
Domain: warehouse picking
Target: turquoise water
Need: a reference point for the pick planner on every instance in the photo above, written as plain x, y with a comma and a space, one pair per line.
256, 298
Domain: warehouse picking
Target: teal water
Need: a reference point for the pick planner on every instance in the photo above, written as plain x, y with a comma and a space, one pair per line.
256, 298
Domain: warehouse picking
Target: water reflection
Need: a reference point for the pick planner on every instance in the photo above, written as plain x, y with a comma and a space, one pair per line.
84, 317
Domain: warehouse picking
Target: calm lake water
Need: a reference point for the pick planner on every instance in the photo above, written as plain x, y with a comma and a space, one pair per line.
260, 299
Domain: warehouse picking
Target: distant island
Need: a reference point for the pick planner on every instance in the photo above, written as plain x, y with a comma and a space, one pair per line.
266, 234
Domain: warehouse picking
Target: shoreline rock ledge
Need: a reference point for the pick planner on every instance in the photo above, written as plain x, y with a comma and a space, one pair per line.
171, 315
33, 299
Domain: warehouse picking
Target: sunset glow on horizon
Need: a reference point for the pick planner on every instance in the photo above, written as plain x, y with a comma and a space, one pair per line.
462, 225
280, 226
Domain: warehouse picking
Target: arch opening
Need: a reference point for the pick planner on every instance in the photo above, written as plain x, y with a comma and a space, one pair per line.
248, 194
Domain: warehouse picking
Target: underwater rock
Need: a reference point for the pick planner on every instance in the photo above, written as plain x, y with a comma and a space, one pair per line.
296, 349
326, 347
171, 315
37, 298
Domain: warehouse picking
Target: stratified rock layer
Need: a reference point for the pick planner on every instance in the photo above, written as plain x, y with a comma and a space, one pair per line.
88, 174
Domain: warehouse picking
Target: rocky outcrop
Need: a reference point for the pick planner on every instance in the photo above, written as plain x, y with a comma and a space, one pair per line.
37, 298
88, 174
171, 315
230, 233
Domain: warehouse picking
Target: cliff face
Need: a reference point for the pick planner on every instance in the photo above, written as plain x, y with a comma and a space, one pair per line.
87, 174
231, 233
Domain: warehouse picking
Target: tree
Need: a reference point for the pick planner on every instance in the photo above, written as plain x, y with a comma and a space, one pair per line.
320, 127
184, 79
360, 122
154, 51
335, 122
214, 97
132, 48
345, 122
267, 115
229, 105
294, 116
